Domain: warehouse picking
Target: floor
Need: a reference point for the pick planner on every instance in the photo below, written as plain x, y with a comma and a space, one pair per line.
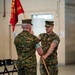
63, 70
67, 70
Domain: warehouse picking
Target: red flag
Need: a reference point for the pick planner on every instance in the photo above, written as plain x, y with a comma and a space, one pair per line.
16, 9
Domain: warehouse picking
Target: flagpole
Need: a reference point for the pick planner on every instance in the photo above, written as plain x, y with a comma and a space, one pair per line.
45, 66
25, 16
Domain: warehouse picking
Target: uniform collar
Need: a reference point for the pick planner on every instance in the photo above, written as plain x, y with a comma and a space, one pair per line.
50, 33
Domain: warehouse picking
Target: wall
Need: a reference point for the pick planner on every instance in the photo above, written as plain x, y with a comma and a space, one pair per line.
4, 33
61, 21
70, 31
32, 7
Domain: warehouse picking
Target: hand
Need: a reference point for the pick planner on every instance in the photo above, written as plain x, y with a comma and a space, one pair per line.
31, 32
44, 56
40, 54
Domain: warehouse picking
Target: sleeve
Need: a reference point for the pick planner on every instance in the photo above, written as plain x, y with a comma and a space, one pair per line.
41, 36
38, 45
56, 40
36, 40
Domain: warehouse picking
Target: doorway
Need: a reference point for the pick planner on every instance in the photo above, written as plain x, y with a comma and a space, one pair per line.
39, 22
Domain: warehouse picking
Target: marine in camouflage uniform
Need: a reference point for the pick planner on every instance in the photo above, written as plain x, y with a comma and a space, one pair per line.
25, 45
51, 61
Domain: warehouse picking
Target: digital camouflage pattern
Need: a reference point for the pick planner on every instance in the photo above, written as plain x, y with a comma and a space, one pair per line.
51, 61
25, 46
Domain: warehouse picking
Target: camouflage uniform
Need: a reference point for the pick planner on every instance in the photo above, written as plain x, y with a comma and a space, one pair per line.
51, 61
25, 46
